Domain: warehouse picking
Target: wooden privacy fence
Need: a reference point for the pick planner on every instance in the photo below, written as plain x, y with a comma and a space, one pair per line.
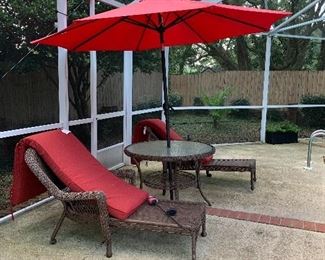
286, 87
146, 89
31, 99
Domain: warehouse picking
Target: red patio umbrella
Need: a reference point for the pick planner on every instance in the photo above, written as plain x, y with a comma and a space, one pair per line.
151, 24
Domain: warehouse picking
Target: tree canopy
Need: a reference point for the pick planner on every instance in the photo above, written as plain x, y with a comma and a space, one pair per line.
247, 53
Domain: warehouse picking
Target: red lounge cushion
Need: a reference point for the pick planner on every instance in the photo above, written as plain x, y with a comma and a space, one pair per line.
207, 159
80, 171
157, 126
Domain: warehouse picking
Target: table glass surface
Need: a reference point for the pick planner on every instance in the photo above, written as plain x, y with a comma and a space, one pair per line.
179, 150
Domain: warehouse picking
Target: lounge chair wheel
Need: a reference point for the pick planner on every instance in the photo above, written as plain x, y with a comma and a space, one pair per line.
208, 174
204, 234
53, 241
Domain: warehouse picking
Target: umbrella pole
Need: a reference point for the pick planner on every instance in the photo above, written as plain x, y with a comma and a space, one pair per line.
166, 104
166, 111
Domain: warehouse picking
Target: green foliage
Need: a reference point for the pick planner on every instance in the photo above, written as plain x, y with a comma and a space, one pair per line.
219, 99
197, 101
314, 117
147, 104
175, 99
247, 53
284, 126
275, 115
241, 113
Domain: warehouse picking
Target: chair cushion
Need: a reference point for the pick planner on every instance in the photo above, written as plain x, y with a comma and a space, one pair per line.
157, 126
72, 163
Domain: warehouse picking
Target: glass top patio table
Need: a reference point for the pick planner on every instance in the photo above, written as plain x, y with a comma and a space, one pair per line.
170, 178
178, 151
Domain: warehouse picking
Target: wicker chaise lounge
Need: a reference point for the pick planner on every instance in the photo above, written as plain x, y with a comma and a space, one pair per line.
60, 164
91, 206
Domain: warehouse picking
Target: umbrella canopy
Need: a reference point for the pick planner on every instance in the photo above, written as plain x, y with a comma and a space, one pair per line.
140, 26
151, 24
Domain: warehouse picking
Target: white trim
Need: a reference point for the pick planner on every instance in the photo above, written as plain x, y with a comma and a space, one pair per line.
299, 37
216, 107
112, 3
29, 130
93, 93
24, 210
127, 100
63, 68
145, 111
295, 106
266, 83
110, 115
291, 18
117, 166
80, 122
110, 147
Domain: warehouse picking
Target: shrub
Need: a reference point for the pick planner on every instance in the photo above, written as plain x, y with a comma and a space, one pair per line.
242, 113
275, 115
148, 104
314, 117
197, 101
219, 99
175, 99
284, 126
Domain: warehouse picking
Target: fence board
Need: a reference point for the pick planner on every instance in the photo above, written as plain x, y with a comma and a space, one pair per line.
286, 87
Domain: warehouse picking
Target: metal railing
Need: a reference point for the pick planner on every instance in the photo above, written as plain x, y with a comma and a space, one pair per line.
316, 133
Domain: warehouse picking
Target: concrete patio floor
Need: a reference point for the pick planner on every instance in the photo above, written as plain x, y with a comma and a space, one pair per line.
283, 189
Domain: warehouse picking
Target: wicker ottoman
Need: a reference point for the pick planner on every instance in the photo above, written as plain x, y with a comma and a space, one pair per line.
189, 219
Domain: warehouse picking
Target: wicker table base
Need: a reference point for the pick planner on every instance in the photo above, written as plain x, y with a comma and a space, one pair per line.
181, 180
159, 180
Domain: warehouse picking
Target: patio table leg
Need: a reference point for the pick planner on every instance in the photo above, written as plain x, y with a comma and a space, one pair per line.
197, 171
204, 227
194, 239
170, 169
139, 171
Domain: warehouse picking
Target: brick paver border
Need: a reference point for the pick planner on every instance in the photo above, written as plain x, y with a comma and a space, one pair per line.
266, 219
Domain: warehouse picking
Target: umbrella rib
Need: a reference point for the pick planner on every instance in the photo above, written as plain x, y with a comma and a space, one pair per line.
142, 34
134, 22
193, 30
179, 19
97, 34
236, 20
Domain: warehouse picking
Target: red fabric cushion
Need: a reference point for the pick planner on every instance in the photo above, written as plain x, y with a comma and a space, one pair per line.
207, 159
157, 126
78, 169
